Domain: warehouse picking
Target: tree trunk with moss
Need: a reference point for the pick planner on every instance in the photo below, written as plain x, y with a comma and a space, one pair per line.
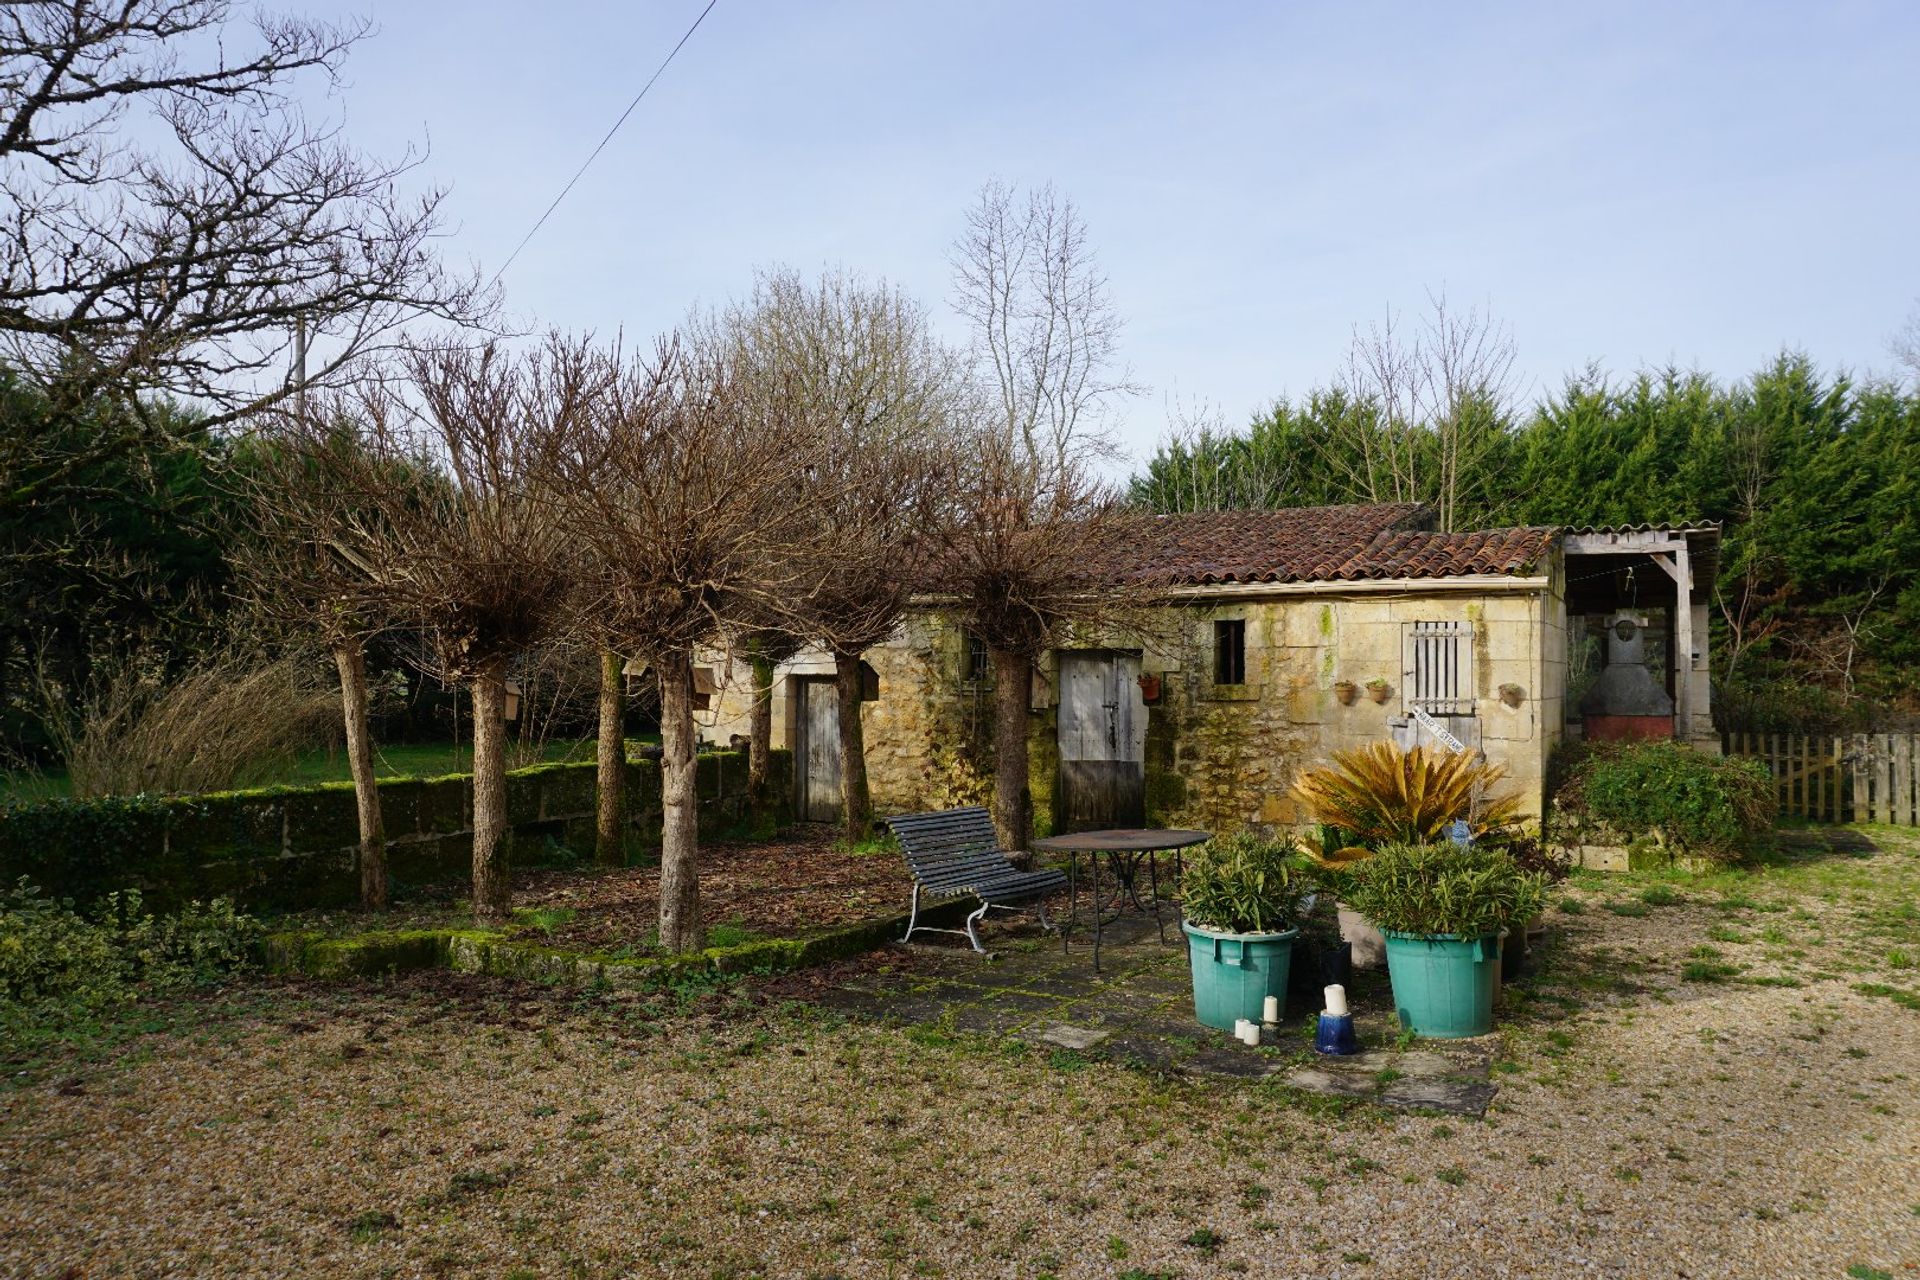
609, 837
680, 928
856, 799
760, 731
1012, 794
350, 656
492, 893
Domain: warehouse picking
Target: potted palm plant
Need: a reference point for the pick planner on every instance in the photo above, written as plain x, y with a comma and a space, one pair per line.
1240, 895
1380, 794
1442, 908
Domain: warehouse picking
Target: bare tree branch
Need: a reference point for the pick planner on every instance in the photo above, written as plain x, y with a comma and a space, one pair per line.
173, 219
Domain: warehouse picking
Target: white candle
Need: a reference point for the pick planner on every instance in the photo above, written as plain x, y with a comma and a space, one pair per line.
1251, 1036
1270, 1012
1240, 1026
1336, 1001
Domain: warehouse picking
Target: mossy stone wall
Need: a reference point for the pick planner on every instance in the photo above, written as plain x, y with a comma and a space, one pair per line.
286, 848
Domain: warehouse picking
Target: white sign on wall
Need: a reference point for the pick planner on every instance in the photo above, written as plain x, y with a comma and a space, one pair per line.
1439, 731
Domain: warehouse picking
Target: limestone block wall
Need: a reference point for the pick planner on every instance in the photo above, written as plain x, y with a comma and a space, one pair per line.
925, 704
1218, 756
1225, 756
1703, 735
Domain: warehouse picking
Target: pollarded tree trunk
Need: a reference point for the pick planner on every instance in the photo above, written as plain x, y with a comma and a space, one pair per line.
609, 842
680, 804
1012, 795
856, 801
350, 656
760, 731
491, 889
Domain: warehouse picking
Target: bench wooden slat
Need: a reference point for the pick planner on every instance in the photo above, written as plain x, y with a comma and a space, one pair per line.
955, 852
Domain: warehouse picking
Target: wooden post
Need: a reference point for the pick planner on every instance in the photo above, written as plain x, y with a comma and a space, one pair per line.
1839, 779
1682, 643
1862, 782
1901, 792
1816, 791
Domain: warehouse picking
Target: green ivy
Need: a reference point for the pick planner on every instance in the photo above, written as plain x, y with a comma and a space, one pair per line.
1701, 805
84, 848
55, 961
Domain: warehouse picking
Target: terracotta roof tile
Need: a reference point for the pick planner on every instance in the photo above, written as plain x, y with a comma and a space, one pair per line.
1324, 544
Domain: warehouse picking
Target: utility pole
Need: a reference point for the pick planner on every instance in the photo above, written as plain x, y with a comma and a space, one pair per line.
300, 368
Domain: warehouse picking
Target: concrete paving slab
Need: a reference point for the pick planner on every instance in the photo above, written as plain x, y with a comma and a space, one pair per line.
1072, 1037
1139, 1010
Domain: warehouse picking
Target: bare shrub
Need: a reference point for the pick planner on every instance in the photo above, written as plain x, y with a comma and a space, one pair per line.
559, 685
229, 720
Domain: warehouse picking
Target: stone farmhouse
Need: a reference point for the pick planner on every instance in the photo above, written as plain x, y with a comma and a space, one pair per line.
1284, 636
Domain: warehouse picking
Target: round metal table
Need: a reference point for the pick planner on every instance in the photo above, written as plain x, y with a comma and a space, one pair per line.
1124, 849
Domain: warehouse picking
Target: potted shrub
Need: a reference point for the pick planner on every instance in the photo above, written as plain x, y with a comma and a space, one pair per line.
1442, 908
1240, 895
1378, 689
1344, 691
1379, 794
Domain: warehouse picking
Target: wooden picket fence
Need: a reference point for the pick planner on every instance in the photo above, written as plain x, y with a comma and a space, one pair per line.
1860, 777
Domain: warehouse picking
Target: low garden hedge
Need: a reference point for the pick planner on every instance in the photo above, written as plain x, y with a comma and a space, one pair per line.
1626, 793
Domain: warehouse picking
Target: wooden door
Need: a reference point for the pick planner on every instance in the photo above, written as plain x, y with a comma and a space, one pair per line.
819, 753
1103, 742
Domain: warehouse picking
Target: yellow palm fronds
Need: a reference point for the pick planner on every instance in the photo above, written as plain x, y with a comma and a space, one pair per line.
1380, 793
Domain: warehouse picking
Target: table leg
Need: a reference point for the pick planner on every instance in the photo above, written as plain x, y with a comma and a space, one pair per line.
1073, 895
1130, 881
1153, 876
1096, 912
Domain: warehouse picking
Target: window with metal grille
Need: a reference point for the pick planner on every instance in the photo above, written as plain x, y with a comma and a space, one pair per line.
1439, 667
978, 665
1230, 651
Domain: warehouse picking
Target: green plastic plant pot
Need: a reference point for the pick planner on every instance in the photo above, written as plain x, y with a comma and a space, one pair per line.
1234, 973
1443, 984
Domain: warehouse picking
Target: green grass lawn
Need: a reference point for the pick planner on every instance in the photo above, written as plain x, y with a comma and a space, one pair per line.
396, 760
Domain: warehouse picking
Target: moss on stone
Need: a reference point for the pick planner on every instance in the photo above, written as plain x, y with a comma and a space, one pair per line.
364, 955
503, 954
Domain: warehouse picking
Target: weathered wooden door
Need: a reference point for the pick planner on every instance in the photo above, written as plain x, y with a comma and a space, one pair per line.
1103, 742
819, 753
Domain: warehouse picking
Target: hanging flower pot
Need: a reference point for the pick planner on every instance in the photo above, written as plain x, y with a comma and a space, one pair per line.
1378, 689
1345, 691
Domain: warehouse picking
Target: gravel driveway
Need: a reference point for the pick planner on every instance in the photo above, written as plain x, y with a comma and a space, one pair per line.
1716, 1076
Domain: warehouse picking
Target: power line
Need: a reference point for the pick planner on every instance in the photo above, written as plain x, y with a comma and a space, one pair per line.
665, 63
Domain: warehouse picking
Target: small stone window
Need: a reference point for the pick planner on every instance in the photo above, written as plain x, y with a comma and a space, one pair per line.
977, 664
1230, 651
1439, 668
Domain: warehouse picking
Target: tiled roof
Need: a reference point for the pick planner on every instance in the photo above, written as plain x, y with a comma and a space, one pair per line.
1323, 544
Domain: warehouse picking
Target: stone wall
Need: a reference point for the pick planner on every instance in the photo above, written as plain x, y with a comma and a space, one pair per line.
1217, 757
1222, 757
296, 847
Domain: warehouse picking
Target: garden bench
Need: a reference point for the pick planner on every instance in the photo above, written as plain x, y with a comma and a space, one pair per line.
953, 853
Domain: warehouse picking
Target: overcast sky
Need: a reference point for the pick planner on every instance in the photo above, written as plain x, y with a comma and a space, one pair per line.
1630, 184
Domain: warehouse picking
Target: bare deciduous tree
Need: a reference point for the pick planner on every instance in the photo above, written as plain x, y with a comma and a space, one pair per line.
293, 568
1020, 554
1041, 321
1440, 400
174, 222
457, 531
1905, 344
684, 498
1025, 526
610, 759
854, 366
